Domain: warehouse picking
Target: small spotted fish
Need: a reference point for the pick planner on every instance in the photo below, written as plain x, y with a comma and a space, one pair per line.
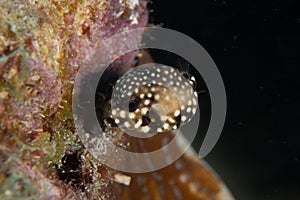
153, 99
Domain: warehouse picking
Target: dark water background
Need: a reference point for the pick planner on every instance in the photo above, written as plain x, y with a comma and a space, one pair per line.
256, 46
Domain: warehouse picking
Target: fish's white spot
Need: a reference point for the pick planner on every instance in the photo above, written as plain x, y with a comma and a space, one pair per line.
138, 124
126, 124
122, 114
159, 130
189, 109
171, 120
156, 97
144, 110
149, 95
131, 115
166, 125
153, 89
113, 112
142, 95
194, 110
194, 101
164, 79
147, 102
117, 121
183, 118
146, 129
163, 118
176, 113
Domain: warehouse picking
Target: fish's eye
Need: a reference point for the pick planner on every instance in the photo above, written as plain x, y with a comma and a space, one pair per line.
133, 104
186, 75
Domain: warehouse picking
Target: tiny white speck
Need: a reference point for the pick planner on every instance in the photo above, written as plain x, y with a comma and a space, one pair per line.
135, 78
129, 93
171, 77
182, 107
117, 121
145, 77
158, 75
114, 112
137, 83
167, 97
177, 83
159, 83
183, 118
174, 127
136, 90
176, 113
158, 70
142, 95
152, 74
156, 97
166, 72
179, 78
189, 102
153, 89
129, 87
149, 95
159, 130
154, 82
164, 79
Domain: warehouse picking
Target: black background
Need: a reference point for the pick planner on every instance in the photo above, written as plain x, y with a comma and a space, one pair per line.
256, 46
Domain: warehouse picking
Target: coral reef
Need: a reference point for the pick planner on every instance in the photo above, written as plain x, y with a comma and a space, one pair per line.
42, 46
